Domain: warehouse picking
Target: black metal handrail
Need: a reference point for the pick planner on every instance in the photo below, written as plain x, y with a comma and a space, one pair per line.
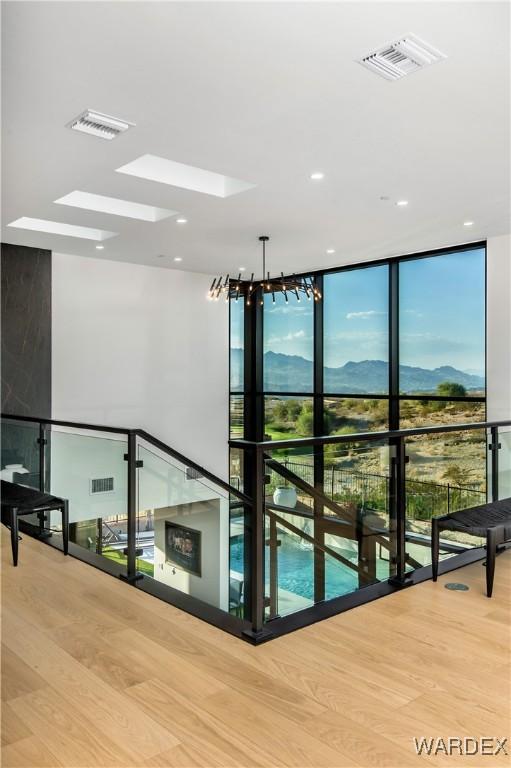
144, 436
358, 437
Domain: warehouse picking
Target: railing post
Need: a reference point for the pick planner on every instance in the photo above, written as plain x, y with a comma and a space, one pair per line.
273, 544
257, 633
131, 575
42, 456
401, 578
494, 448
44, 531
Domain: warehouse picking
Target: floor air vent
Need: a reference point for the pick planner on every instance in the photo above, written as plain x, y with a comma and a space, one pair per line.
102, 485
401, 58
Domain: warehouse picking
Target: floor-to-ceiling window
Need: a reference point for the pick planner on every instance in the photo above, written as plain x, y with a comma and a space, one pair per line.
394, 344
442, 380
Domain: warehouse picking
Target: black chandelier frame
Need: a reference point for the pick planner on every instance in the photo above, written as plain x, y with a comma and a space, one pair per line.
255, 289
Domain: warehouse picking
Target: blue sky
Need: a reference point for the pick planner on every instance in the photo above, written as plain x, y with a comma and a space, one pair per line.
442, 311
441, 315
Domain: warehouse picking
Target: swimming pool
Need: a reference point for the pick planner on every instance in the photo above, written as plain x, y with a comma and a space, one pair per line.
296, 569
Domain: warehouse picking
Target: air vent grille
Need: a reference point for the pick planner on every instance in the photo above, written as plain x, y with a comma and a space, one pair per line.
102, 485
192, 474
407, 55
97, 124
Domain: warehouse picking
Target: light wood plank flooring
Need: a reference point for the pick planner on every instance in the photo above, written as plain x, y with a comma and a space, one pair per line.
98, 674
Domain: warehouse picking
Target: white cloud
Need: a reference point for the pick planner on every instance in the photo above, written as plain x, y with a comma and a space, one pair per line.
289, 337
364, 315
287, 310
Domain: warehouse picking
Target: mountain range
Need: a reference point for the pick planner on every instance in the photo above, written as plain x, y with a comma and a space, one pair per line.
292, 373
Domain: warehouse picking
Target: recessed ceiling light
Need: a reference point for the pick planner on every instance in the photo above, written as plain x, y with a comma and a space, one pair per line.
242, 269
317, 176
181, 221
97, 124
184, 176
178, 258
468, 223
100, 247
402, 203
114, 206
330, 250
59, 228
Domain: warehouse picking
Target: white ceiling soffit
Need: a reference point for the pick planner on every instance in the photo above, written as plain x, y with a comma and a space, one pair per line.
114, 206
184, 176
60, 228
268, 92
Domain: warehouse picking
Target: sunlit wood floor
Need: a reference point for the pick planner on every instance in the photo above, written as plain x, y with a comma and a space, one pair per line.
98, 674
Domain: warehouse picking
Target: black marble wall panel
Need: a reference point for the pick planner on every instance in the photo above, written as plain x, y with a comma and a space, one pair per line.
26, 330
26, 348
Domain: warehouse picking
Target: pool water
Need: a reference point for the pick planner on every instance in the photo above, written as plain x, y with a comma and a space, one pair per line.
296, 569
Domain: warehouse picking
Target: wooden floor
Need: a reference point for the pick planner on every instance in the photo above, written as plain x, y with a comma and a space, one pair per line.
98, 674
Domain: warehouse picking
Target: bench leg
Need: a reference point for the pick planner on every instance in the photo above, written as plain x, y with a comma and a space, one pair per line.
491, 551
65, 526
14, 535
435, 545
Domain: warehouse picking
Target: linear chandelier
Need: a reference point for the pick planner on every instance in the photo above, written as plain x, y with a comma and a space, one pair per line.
254, 290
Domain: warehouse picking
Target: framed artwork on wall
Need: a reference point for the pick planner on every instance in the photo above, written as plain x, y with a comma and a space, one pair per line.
183, 547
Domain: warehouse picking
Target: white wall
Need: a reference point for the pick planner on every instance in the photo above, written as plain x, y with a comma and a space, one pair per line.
139, 346
211, 518
499, 327
499, 348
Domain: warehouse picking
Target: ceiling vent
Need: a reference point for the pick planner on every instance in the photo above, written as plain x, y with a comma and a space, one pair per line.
401, 58
97, 124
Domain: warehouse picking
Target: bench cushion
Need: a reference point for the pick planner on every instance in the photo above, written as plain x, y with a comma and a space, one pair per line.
477, 520
26, 499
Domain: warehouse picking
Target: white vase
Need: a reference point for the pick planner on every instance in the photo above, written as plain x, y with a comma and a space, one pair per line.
10, 470
285, 496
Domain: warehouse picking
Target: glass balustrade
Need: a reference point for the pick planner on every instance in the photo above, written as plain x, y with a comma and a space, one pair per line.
89, 469
189, 532
322, 520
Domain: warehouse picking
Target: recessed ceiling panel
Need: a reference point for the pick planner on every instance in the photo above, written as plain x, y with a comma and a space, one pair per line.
184, 176
114, 206
59, 228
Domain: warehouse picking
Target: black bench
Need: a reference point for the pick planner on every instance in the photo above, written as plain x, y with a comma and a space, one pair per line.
490, 521
19, 500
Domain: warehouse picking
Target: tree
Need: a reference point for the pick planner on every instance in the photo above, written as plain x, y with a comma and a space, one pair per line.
280, 411
451, 389
305, 421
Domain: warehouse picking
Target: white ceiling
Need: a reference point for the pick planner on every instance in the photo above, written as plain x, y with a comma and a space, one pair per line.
267, 93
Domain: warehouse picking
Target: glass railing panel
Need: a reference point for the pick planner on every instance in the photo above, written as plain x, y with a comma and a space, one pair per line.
445, 472
504, 434
20, 452
326, 539
188, 537
89, 469
357, 477
289, 562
